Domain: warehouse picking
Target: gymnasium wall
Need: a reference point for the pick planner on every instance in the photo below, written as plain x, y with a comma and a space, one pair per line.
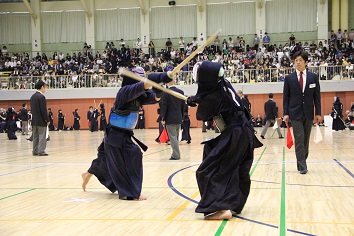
257, 101
106, 4
350, 15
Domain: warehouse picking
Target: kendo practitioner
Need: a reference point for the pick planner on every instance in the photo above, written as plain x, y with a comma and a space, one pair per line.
11, 118
118, 165
2, 120
141, 119
94, 120
89, 116
337, 115
103, 119
61, 120
223, 176
24, 119
51, 122
77, 118
161, 127
185, 126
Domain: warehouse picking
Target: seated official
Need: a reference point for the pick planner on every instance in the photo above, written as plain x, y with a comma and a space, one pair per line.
258, 121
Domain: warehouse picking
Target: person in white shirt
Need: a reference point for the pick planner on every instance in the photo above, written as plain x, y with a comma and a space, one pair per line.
61, 57
263, 49
181, 45
4, 49
173, 54
339, 38
194, 42
216, 44
151, 60
323, 70
280, 54
231, 44
189, 49
345, 41
325, 44
138, 46
121, 43
256, 41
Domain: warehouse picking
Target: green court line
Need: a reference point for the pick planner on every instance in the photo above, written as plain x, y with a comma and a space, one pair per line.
223, 223
221, 227
18, 193
273, 133
282, 227
255, 165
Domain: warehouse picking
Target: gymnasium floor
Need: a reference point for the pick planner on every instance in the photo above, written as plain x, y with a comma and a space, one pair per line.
43, 195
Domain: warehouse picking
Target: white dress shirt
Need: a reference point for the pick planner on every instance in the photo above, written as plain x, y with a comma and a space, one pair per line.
303, 77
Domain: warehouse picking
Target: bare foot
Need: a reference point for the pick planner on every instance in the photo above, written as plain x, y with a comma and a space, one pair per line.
219, 215
85, 179
141, 198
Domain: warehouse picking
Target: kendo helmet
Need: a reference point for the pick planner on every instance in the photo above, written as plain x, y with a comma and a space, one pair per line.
207, 75
137, 70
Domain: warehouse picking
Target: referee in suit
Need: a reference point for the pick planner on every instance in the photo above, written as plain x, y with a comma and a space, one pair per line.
40, 119
171, 112
271, 110
301, 98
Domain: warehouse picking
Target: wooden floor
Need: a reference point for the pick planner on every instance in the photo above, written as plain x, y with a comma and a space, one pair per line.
43, 195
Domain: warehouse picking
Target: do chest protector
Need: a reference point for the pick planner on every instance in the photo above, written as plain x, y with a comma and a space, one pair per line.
127, 117
123, 119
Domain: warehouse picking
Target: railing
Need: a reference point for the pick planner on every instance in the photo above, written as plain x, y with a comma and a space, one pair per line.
158, 48
182, 78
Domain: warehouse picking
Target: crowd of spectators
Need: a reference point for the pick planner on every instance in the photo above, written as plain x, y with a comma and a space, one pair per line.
262, 61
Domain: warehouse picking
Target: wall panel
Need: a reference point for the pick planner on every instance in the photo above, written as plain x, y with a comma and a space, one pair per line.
257, 101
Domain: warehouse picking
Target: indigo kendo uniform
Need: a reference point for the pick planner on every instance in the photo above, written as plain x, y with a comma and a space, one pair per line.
119, 164
223, 176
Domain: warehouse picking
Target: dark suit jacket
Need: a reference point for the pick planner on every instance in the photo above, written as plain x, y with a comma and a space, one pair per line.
271, 110
246, 104
297, 104
39, 109
23, 114
171, 108
89, 115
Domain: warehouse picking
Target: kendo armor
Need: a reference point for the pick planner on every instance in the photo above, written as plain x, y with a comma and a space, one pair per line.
125, 118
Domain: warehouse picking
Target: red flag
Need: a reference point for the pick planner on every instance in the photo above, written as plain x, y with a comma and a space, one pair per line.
164, 136
289, 139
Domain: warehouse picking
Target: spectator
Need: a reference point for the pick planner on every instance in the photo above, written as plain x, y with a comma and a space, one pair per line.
181, 45
255, 42
24, 119
266, 40
292, 40
168, 45
138, 47
151, 49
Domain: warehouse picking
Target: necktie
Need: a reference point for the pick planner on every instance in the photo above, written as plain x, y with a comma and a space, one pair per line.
301, 80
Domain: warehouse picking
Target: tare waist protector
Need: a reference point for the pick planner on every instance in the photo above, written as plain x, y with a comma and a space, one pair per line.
124, 120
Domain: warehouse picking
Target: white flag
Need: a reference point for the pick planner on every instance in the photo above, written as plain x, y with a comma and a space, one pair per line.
318, 136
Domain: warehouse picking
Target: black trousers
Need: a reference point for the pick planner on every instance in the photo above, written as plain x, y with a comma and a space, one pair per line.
302, 130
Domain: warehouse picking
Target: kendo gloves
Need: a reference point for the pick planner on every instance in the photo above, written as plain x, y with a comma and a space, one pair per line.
191, 101
157, 92
159, 78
